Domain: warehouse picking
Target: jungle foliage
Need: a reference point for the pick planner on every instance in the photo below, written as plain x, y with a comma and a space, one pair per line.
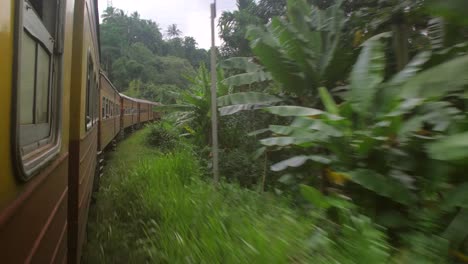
370, 106
353, 111
143, 63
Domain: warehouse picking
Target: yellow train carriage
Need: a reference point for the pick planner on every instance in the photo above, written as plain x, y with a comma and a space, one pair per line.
84, 109
110, 112
48, 119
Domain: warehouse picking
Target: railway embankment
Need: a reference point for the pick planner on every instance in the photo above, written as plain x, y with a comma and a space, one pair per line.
156, 204
157, 207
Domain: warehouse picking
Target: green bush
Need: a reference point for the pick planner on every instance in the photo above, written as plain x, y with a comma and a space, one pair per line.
162, 136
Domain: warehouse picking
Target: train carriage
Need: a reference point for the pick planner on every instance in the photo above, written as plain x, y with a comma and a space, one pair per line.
45, 168
53, 121
129, 107
84, 128
110, 112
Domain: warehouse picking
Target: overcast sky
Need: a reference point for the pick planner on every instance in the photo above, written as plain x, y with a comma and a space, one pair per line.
192, 16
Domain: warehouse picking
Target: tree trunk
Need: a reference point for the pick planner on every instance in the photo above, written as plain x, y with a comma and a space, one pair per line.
400, 44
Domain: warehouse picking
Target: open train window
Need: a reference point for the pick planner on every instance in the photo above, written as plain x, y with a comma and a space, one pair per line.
90, 94
37, 77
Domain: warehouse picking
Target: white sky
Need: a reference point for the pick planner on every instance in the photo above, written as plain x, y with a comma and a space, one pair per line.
191, 16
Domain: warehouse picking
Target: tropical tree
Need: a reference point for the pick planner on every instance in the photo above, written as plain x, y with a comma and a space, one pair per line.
173, 31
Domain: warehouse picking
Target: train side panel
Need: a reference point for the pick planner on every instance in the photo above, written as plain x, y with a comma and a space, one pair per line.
110, 114
84, 111
127, 117
33, 207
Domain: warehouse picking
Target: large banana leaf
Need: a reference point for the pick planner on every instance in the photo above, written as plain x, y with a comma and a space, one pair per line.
411, 69
336, 21
328, 101
293, 111
438, 81
382, 185
297, 48
283, 69
248, 98
458, 197
232, 109
241, 63
247, 78
453, 147
298, 161
367, 74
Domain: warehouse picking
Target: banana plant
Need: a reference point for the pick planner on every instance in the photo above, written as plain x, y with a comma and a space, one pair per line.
400, 139
192, 109
297, 53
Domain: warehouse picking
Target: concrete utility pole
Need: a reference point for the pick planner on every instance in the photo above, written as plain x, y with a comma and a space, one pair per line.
214, 108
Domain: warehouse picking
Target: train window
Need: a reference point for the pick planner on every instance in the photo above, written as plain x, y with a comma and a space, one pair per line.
89, 93
38, 88
104, 104
95, 100
107, 107
103, 107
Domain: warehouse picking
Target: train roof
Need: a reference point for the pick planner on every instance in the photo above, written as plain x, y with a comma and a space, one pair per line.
103, 73
139, 100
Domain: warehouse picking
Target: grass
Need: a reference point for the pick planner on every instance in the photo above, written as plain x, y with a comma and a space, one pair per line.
157, 208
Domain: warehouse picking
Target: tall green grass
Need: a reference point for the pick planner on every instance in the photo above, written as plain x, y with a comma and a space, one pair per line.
156, 208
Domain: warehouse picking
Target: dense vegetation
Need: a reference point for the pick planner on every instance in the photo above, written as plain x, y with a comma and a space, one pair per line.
368, 105
350, 115
158, 208
143, 63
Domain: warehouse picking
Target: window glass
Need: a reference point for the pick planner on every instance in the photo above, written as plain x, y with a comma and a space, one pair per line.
42, 85
26, 92
103, 107
37, 75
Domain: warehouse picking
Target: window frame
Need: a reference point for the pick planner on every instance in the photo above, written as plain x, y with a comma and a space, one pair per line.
31, 150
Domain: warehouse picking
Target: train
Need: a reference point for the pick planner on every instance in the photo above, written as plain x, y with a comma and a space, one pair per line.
59, 112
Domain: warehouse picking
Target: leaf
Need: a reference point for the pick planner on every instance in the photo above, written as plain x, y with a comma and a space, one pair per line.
278, 141
456, 232
314, 196
412, 68
286, 179
367, 74
248, 98
247, 78
438, 81
241, 63
296, 48
298, 161
229, 110
293, 111
458, 197
450, 148
283, 70
291, 131
258, 132
259, 152
381, 185
328, 101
